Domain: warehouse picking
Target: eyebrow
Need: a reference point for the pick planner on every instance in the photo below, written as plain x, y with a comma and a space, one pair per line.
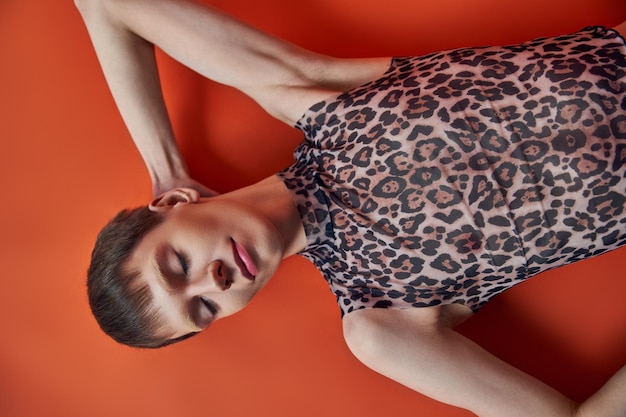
165, 282
156, 265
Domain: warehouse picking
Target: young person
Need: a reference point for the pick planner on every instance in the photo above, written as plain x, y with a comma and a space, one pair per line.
425, 186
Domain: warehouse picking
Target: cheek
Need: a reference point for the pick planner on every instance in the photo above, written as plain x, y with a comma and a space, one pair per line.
231, 304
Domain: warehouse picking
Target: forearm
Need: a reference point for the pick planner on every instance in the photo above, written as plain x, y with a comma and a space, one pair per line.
129, 65
442, 364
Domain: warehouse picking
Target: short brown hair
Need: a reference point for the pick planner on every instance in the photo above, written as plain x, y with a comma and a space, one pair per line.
122, 306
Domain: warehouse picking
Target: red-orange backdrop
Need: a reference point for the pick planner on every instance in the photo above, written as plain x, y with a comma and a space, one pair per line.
68, 164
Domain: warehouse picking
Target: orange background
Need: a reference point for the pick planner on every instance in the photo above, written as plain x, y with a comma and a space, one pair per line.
68, 165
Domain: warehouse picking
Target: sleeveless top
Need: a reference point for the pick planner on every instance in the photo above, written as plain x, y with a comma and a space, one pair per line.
459, 174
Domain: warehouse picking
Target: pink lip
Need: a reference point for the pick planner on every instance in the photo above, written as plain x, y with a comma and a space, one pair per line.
248, 265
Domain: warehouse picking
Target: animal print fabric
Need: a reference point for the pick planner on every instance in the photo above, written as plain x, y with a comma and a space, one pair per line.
459, 174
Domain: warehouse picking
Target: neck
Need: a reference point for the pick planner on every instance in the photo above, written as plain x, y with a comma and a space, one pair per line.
272, 199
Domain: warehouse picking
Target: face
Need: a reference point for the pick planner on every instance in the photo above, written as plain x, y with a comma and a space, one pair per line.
206, 261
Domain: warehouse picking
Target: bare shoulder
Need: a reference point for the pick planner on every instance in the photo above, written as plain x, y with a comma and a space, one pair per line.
420, 318
365, 331
317, 78
454, 314
371, 323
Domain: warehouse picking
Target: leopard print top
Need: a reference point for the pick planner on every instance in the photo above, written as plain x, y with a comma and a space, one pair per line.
459, 174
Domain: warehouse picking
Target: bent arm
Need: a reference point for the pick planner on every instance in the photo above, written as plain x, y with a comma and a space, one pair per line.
124, 34
418, 352
129, 65
283, 78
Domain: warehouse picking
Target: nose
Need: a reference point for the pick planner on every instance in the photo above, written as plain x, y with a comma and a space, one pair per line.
216, 279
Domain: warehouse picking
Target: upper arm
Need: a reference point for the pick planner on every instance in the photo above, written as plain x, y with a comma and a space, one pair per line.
412, 348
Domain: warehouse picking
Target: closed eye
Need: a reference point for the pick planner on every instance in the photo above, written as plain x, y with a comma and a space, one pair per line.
184, 262
210, 305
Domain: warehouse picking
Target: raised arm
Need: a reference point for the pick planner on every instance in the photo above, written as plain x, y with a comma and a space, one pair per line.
414, 348
283, 78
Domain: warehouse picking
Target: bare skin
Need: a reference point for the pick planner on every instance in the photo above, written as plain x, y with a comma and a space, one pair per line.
283, 78
417, 348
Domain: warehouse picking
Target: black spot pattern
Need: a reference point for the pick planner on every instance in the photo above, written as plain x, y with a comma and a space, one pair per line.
459, 174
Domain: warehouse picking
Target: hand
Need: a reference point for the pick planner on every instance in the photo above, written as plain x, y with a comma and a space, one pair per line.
160, 188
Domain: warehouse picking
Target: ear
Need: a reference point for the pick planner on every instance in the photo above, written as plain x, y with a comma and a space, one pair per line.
173, 198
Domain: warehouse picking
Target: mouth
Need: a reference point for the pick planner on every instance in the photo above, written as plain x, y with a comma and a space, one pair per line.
244, 261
